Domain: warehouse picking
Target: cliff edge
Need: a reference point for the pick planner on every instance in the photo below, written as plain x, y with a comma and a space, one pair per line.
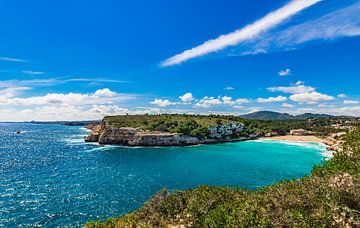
109, 133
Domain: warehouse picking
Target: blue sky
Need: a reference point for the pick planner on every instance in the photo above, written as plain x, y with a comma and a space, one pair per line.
75, 60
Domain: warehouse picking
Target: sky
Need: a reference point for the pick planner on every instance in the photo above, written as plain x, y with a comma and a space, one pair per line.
82, 60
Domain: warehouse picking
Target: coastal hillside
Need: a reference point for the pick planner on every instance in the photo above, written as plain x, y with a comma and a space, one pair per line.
329, 197
185, 124
182, 130
168, 130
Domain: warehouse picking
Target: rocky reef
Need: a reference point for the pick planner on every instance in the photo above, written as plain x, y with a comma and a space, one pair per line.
105, 134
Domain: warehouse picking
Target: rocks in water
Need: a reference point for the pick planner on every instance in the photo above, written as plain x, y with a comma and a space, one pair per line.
92, 138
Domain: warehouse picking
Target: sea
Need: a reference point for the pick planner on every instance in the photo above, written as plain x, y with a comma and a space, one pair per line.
49, 177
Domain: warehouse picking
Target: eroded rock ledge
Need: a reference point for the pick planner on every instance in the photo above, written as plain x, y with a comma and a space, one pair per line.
128, 136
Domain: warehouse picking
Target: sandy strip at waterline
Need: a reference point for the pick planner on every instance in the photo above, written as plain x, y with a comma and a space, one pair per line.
296, 138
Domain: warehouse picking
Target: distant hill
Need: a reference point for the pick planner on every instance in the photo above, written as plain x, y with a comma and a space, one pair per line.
68, 123
312, 115
269, 115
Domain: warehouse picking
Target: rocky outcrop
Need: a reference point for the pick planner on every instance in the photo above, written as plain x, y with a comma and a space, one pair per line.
127, 136
107, 134
162, 139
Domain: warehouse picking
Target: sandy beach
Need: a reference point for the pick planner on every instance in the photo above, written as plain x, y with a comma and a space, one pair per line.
295, 138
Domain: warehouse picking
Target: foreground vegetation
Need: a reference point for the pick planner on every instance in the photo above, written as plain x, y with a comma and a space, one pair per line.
197, 125
329, 197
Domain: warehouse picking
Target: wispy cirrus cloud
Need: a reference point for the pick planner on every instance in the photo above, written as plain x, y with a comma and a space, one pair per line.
246, 33
30, 72
53, 81
12, 91
339, 23
13, 60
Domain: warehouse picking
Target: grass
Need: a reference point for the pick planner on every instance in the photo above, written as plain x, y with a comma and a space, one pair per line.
329, 197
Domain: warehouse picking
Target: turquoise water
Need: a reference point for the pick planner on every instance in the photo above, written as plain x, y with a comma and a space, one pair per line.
49, 177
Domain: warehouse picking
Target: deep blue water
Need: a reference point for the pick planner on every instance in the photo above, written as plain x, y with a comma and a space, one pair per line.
49, 177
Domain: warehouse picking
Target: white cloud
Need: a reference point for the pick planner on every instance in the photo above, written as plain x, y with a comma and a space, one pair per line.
229, 88
285, 72
272, 99
99, 97
242, 100
227, 100
341, 95
347, 111
62, 112
105, 93
12, 91
208, 101
326, 105
61, 106
32, 72
161, 103
246, 33
287, 105
13, 59
310, 98
355, 111
187, 97
298, 88
351, 102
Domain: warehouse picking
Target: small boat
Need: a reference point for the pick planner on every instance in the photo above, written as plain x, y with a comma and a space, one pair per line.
18, 132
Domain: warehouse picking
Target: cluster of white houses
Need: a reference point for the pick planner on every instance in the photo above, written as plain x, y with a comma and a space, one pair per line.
300, 132
225, 130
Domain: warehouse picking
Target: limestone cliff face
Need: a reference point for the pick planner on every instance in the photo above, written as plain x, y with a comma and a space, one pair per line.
106, 134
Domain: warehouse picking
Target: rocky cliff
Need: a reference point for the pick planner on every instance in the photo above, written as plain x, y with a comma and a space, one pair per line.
106, 134
128, 136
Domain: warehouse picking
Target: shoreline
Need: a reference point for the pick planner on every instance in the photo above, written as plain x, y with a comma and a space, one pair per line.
296, 138
327, 153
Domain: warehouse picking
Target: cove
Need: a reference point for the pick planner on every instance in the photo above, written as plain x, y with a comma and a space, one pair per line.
50, 177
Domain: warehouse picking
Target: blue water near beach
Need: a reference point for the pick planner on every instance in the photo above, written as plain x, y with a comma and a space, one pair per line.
49, 177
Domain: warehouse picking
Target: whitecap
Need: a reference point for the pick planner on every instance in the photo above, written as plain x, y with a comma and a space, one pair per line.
311, 145
103, 148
